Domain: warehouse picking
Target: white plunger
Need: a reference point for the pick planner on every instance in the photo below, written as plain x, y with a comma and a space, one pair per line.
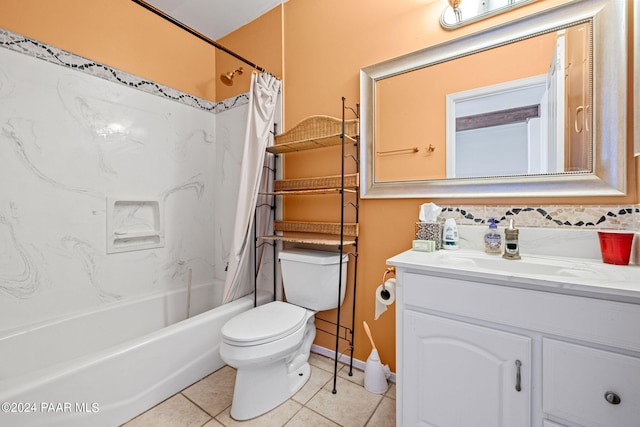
375, 378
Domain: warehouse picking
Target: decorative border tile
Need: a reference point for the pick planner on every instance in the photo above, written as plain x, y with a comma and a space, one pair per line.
562, 216
34, 48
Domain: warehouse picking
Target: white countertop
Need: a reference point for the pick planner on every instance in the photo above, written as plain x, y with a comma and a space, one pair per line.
575, 276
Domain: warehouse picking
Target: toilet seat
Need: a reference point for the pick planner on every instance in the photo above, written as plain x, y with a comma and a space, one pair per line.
264, 324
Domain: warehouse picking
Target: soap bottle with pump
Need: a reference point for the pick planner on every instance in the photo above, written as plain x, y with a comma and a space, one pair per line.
511, 245
493, 239
450, 234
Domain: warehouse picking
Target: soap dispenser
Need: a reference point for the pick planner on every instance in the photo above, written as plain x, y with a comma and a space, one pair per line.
493, 239
511, 245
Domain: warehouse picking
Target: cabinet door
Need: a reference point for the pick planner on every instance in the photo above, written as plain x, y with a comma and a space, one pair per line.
458, 374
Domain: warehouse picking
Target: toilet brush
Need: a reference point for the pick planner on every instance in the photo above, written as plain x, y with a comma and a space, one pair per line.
368, 332
375, 375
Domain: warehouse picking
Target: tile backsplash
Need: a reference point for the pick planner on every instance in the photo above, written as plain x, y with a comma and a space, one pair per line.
618, 217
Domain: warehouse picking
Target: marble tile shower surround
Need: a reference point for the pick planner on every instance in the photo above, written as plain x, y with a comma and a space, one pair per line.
74, 132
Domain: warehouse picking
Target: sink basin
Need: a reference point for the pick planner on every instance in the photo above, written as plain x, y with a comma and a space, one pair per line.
530, 266
578, 276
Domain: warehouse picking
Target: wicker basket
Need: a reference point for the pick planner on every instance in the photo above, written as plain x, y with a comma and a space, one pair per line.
317, 127
325, 182
315, 227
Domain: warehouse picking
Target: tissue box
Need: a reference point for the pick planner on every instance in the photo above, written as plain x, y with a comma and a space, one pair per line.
429, 231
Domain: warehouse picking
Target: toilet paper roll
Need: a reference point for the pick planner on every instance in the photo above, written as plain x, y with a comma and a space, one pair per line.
384, 300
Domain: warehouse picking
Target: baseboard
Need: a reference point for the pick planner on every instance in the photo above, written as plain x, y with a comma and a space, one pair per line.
343, 358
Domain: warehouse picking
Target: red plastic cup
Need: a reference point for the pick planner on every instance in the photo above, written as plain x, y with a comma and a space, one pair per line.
615, 246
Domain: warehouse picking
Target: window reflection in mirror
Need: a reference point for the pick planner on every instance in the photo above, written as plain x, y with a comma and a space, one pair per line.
523, 108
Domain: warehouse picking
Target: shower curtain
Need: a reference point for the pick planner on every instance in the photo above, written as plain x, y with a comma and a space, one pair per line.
263, 102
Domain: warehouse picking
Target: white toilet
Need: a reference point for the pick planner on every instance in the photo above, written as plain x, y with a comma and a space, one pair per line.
269, 345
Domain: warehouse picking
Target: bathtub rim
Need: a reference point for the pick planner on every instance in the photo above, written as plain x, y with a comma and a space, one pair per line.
76, 314
21, 384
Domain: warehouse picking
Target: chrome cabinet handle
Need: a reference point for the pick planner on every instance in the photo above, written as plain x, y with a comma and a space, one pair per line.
518, 377
612, 398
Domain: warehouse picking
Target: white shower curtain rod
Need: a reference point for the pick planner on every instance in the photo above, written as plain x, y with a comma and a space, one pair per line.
198, 34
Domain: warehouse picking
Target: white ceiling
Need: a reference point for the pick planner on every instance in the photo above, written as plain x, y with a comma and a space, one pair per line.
215, 18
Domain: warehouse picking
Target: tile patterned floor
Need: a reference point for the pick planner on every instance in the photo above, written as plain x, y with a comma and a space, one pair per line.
207, 403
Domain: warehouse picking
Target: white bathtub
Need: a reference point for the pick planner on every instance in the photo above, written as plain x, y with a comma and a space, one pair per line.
104, 367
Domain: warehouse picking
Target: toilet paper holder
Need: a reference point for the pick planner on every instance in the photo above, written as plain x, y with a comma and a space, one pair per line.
385, 293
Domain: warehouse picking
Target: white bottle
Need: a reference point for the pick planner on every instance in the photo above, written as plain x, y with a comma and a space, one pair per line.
450, 234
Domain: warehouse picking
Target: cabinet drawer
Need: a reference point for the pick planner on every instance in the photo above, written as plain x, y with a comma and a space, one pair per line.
576, 379
603, 322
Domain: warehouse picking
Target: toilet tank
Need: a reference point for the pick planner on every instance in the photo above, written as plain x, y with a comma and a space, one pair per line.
310, 278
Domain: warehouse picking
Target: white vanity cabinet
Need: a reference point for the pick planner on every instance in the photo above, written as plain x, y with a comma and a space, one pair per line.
489, 349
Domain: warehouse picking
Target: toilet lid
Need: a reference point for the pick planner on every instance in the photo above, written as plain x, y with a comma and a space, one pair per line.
264, 324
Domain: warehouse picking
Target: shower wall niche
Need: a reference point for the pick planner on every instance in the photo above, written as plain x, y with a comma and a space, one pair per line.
134, 224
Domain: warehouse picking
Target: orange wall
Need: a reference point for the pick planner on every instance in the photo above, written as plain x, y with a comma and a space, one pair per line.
264, 50
118, 33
